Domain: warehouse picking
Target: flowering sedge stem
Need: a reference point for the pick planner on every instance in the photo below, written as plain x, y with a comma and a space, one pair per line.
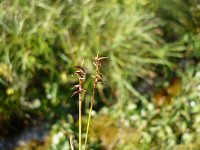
98, 78
90, 113
80, 118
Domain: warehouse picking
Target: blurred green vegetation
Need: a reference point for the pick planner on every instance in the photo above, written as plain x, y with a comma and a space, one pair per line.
150, 43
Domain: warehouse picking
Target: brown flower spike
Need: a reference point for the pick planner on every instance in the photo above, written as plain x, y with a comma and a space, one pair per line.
81, 76
98, 63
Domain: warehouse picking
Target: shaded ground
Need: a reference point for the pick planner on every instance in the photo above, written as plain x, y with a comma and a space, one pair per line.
32, 137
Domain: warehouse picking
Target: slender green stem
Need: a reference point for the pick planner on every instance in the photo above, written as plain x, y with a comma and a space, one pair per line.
80, 118
90, 113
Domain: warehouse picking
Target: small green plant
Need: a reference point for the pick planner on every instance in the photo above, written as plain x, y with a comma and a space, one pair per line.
79, 89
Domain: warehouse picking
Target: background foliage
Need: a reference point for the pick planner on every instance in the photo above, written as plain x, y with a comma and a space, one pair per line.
153, 48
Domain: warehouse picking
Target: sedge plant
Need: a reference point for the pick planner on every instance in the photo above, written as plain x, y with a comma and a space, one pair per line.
79, 89
80, 72
97, 78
